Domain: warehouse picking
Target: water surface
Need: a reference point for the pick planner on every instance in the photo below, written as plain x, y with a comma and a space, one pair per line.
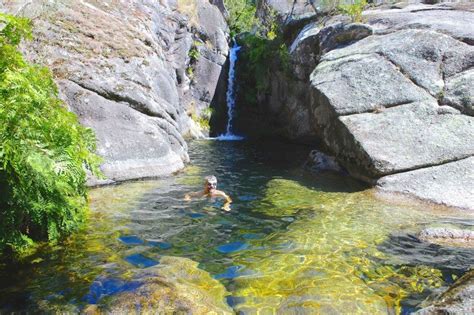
293, 242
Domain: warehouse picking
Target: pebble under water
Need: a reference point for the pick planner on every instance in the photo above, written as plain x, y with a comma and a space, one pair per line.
293, 242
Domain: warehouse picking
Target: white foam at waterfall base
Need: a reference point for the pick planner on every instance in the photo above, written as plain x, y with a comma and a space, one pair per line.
230, 97
227, 137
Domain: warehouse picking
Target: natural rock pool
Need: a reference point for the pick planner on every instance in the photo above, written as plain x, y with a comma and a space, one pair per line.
294, 242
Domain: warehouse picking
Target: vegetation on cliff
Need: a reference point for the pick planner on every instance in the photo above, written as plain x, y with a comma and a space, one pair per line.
43, 149
241, 16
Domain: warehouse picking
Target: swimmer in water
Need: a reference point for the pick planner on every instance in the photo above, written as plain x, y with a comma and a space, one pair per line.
210, 190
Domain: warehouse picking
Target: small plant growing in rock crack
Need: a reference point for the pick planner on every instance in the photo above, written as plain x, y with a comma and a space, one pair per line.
190, 72
354, 9
194, 53
203, 118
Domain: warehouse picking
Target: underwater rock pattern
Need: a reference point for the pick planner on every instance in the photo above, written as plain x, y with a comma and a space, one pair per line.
458, 299
178, 285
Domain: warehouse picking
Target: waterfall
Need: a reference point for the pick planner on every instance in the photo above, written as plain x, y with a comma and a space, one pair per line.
230, 95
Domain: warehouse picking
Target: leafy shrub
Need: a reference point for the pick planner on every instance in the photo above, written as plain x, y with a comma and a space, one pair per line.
354, 9
43, 149
194, 53
241, 16
264, 51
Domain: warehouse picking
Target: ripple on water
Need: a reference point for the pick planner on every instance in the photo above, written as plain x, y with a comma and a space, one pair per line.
131, 240
103, 286
160, 245
140, 261
232, 247
291, 244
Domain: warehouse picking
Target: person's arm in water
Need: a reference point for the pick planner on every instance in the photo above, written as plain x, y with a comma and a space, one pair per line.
220, 193
228, 200
195, 194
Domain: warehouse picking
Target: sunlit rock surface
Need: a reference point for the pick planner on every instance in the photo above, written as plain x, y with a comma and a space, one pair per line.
135, 71
448, 236
458, 299
391, 98
174, 286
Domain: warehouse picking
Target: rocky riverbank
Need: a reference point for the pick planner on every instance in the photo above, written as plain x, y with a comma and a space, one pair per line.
391, 98
140, 73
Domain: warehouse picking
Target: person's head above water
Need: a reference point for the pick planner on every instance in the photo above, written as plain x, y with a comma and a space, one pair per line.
210, 183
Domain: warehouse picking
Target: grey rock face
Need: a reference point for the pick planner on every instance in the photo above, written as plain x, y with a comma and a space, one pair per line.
131, 72
454, 19
451, 184
407, 137
459, 92
362, 83
391, 98
427, 58
446, 234
338, 34
154, 149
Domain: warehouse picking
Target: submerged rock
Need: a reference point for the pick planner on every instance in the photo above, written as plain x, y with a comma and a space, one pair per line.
175, 286
318, 161
458, 299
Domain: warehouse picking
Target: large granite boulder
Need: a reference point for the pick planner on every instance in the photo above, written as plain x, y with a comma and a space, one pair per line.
136, 72
391, 98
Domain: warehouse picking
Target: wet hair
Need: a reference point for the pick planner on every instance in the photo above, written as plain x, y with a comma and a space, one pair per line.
210, 179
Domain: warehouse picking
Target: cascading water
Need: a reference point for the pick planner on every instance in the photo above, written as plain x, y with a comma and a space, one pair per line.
230, 96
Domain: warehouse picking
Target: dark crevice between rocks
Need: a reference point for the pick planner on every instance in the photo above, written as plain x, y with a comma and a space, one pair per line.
429, 165
404, 73
378, 109
348, 57
433, 9
464, 40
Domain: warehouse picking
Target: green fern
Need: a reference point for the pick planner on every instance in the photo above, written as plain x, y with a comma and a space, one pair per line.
43, 150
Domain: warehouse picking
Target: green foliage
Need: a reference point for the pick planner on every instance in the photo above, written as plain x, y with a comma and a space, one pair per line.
354, 9
43, 149
264, 52
204, 118
241, 16
194, 53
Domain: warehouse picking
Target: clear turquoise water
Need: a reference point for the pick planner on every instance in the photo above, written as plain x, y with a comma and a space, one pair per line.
293, 242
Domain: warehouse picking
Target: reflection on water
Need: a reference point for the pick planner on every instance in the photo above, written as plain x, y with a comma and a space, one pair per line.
293, 243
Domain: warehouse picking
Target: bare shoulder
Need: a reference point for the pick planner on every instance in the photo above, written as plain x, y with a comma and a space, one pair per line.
194, 194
